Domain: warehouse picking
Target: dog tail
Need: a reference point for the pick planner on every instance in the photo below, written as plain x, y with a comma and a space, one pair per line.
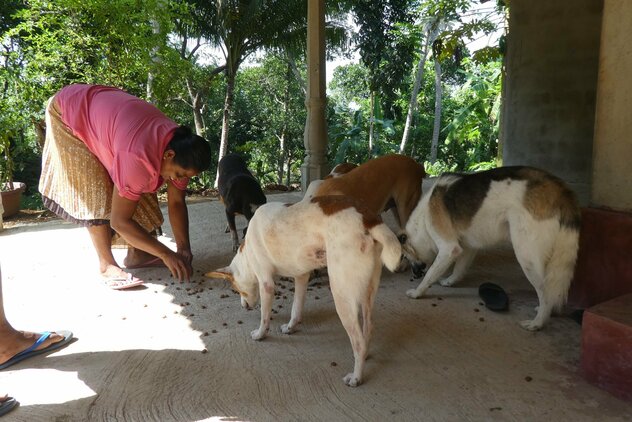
391, 248
561, 267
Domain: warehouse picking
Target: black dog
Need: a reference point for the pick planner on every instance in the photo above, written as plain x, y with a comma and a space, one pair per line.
239, 191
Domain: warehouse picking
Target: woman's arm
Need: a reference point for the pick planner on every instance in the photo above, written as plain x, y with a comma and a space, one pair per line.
179, 218
121, 220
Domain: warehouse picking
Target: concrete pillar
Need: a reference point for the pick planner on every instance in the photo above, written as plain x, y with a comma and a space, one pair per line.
550, 88
315, 164
612, 163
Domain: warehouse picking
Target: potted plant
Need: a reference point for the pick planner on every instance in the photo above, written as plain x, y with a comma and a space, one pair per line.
10, 190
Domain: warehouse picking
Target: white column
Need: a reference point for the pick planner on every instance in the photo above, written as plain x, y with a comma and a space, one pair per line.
315, 136
612, 148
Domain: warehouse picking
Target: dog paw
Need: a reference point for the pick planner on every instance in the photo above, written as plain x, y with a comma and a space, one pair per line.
412, 293
446, 282
287, 328
530, 325
258, 334
351, 380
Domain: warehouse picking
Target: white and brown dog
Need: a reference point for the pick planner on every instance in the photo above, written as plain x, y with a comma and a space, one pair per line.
292, 240
389, 182
533, 209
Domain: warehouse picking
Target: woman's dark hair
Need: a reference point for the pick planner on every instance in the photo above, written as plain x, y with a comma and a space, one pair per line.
192, 151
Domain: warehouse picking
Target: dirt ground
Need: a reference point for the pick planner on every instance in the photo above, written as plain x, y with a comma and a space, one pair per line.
182, 352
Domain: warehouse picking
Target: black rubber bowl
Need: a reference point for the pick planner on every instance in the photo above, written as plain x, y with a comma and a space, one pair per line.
494, 297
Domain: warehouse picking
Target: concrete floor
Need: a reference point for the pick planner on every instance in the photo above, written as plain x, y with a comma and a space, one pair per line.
182, 352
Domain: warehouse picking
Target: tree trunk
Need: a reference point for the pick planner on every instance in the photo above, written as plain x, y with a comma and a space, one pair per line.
155, 59
288, 177
437, 116
431, 34
282, 138
228, 106
196, 105
371, 123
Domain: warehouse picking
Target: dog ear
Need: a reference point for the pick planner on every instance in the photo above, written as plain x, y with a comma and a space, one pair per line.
226, 274
221, 273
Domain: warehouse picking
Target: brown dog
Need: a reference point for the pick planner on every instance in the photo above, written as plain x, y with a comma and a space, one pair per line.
388, 182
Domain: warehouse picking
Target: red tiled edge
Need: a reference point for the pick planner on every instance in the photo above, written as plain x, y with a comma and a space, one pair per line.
606, 359
604, 262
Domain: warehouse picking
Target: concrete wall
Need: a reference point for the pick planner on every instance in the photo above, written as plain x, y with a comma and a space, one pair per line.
550, 88
612, 165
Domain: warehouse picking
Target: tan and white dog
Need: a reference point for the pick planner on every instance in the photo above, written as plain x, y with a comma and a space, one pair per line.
340, 169
292, 240
389, 182
533, 209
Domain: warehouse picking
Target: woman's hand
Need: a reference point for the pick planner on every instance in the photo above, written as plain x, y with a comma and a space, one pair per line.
179, 265
186, 254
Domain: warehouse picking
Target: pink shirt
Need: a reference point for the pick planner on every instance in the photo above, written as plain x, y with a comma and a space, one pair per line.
128, 135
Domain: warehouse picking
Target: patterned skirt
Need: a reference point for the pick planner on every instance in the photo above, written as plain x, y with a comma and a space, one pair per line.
77, 187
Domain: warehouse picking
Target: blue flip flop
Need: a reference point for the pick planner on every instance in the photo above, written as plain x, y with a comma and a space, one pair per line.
30, 352
8, 405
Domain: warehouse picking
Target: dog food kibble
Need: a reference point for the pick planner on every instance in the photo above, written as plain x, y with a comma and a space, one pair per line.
316, 297
475, 309
192, 315
528, 379
434, 304
224, 324
203, 306
214, 331
164, 316
177, 288
481, 319
204, 351
205, 333
440, 298
239, 322
333, 364
145, 305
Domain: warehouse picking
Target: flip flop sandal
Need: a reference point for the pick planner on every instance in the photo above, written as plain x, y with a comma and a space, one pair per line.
493, 296
121, 283
8, 405
34, 351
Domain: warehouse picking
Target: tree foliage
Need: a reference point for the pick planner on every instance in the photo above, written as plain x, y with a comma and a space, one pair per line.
164, 44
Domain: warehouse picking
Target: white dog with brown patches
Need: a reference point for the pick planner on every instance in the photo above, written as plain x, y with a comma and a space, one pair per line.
533, 209
293, 240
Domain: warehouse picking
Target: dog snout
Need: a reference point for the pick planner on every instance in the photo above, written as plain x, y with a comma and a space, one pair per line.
419, 269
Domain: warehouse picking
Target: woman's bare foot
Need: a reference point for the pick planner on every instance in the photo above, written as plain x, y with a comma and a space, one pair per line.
14, 342
137, 258
117, 279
